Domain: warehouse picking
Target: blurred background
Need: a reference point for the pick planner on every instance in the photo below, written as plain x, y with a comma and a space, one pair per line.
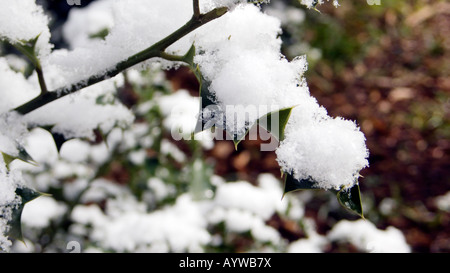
386, 67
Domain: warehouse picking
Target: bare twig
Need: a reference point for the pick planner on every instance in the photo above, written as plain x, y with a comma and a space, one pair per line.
156, 50
41, 79
196, 9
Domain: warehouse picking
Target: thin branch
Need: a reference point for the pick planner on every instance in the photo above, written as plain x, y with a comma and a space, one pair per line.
41, 79
156, 50
196, 9
170, 57
28, 49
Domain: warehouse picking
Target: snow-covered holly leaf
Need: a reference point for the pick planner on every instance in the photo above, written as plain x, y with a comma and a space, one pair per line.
350, 198
22, 155
238, 138
59, 139
273, 122
292, 184
205, 118
25, 156
15, 224
280, 117
28, 48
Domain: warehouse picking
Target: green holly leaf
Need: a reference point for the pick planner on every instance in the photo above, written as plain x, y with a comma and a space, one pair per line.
28, 48
293, 184
15, 224
189, 57
59, 139
273, 122
206, 100
350, 198
23, 155
281, 118
237, 138
7, 159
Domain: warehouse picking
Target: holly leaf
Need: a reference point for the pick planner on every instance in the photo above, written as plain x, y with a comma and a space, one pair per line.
59, 139
350, 198
238, 137
15, 224
23, 155
28, 48
293, 184
275, 122
208, 107
189, 57
206, 118
7, 159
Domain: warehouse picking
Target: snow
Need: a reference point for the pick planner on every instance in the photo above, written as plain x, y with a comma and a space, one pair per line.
15, 90
181, 110
10, 180
388, 206
181, 113
169, 148
40, 212
88, 21
150, 22
75, 150
137, 157
79, 114
443, 202
240, 57
126, 224
365, 236
330, 151
310, 3
178, 228
160, 190
24, 20
238, 54
12, 132
260, 201
288, 15
242, 60
207, 5
243, 207
101, 189
314, 243
40, 145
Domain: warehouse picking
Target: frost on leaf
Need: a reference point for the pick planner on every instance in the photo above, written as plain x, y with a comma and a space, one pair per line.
23, 21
